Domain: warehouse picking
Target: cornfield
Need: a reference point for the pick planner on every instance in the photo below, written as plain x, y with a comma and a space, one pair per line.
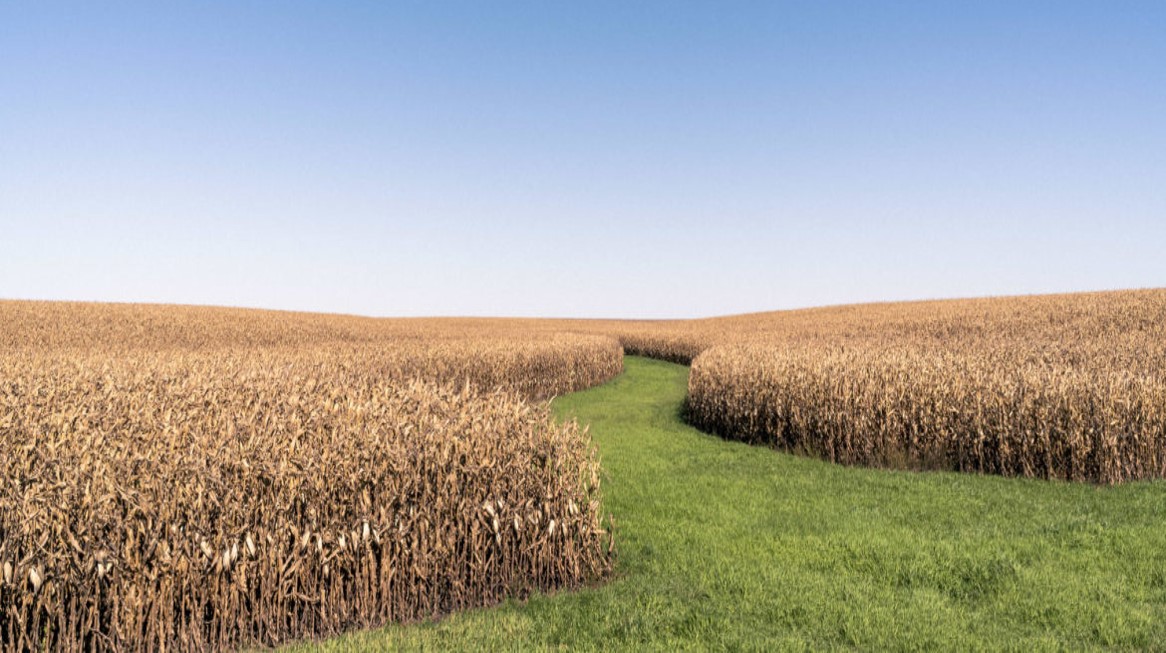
935, 411
196, 478
1069, 387
168, 488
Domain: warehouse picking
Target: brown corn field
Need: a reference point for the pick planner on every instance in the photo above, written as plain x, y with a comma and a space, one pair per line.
193, 478
1068, 387
202, 479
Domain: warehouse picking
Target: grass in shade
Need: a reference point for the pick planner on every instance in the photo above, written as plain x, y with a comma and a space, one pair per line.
727, 546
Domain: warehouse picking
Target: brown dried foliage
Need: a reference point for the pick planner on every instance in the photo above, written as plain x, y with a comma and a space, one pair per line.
902, 408
1070, 387
165, 489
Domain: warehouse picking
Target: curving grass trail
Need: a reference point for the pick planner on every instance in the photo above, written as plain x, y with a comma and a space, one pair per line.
727, 546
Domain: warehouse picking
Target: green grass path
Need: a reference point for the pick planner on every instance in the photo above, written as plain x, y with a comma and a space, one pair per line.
727, 546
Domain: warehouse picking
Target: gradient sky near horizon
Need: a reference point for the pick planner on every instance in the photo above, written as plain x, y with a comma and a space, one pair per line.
589, 159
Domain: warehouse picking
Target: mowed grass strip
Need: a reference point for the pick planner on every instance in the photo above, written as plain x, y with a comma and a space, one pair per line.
727, 546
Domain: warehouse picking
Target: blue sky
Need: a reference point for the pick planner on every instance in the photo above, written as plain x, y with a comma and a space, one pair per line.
619, 159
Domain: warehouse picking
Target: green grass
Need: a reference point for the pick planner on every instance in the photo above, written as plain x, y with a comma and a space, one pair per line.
727, 546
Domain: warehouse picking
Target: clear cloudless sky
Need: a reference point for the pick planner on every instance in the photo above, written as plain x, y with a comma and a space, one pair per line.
591, 159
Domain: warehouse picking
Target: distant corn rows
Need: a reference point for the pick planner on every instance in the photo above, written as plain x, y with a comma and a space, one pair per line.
1061, 386
932, 411
170, 491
